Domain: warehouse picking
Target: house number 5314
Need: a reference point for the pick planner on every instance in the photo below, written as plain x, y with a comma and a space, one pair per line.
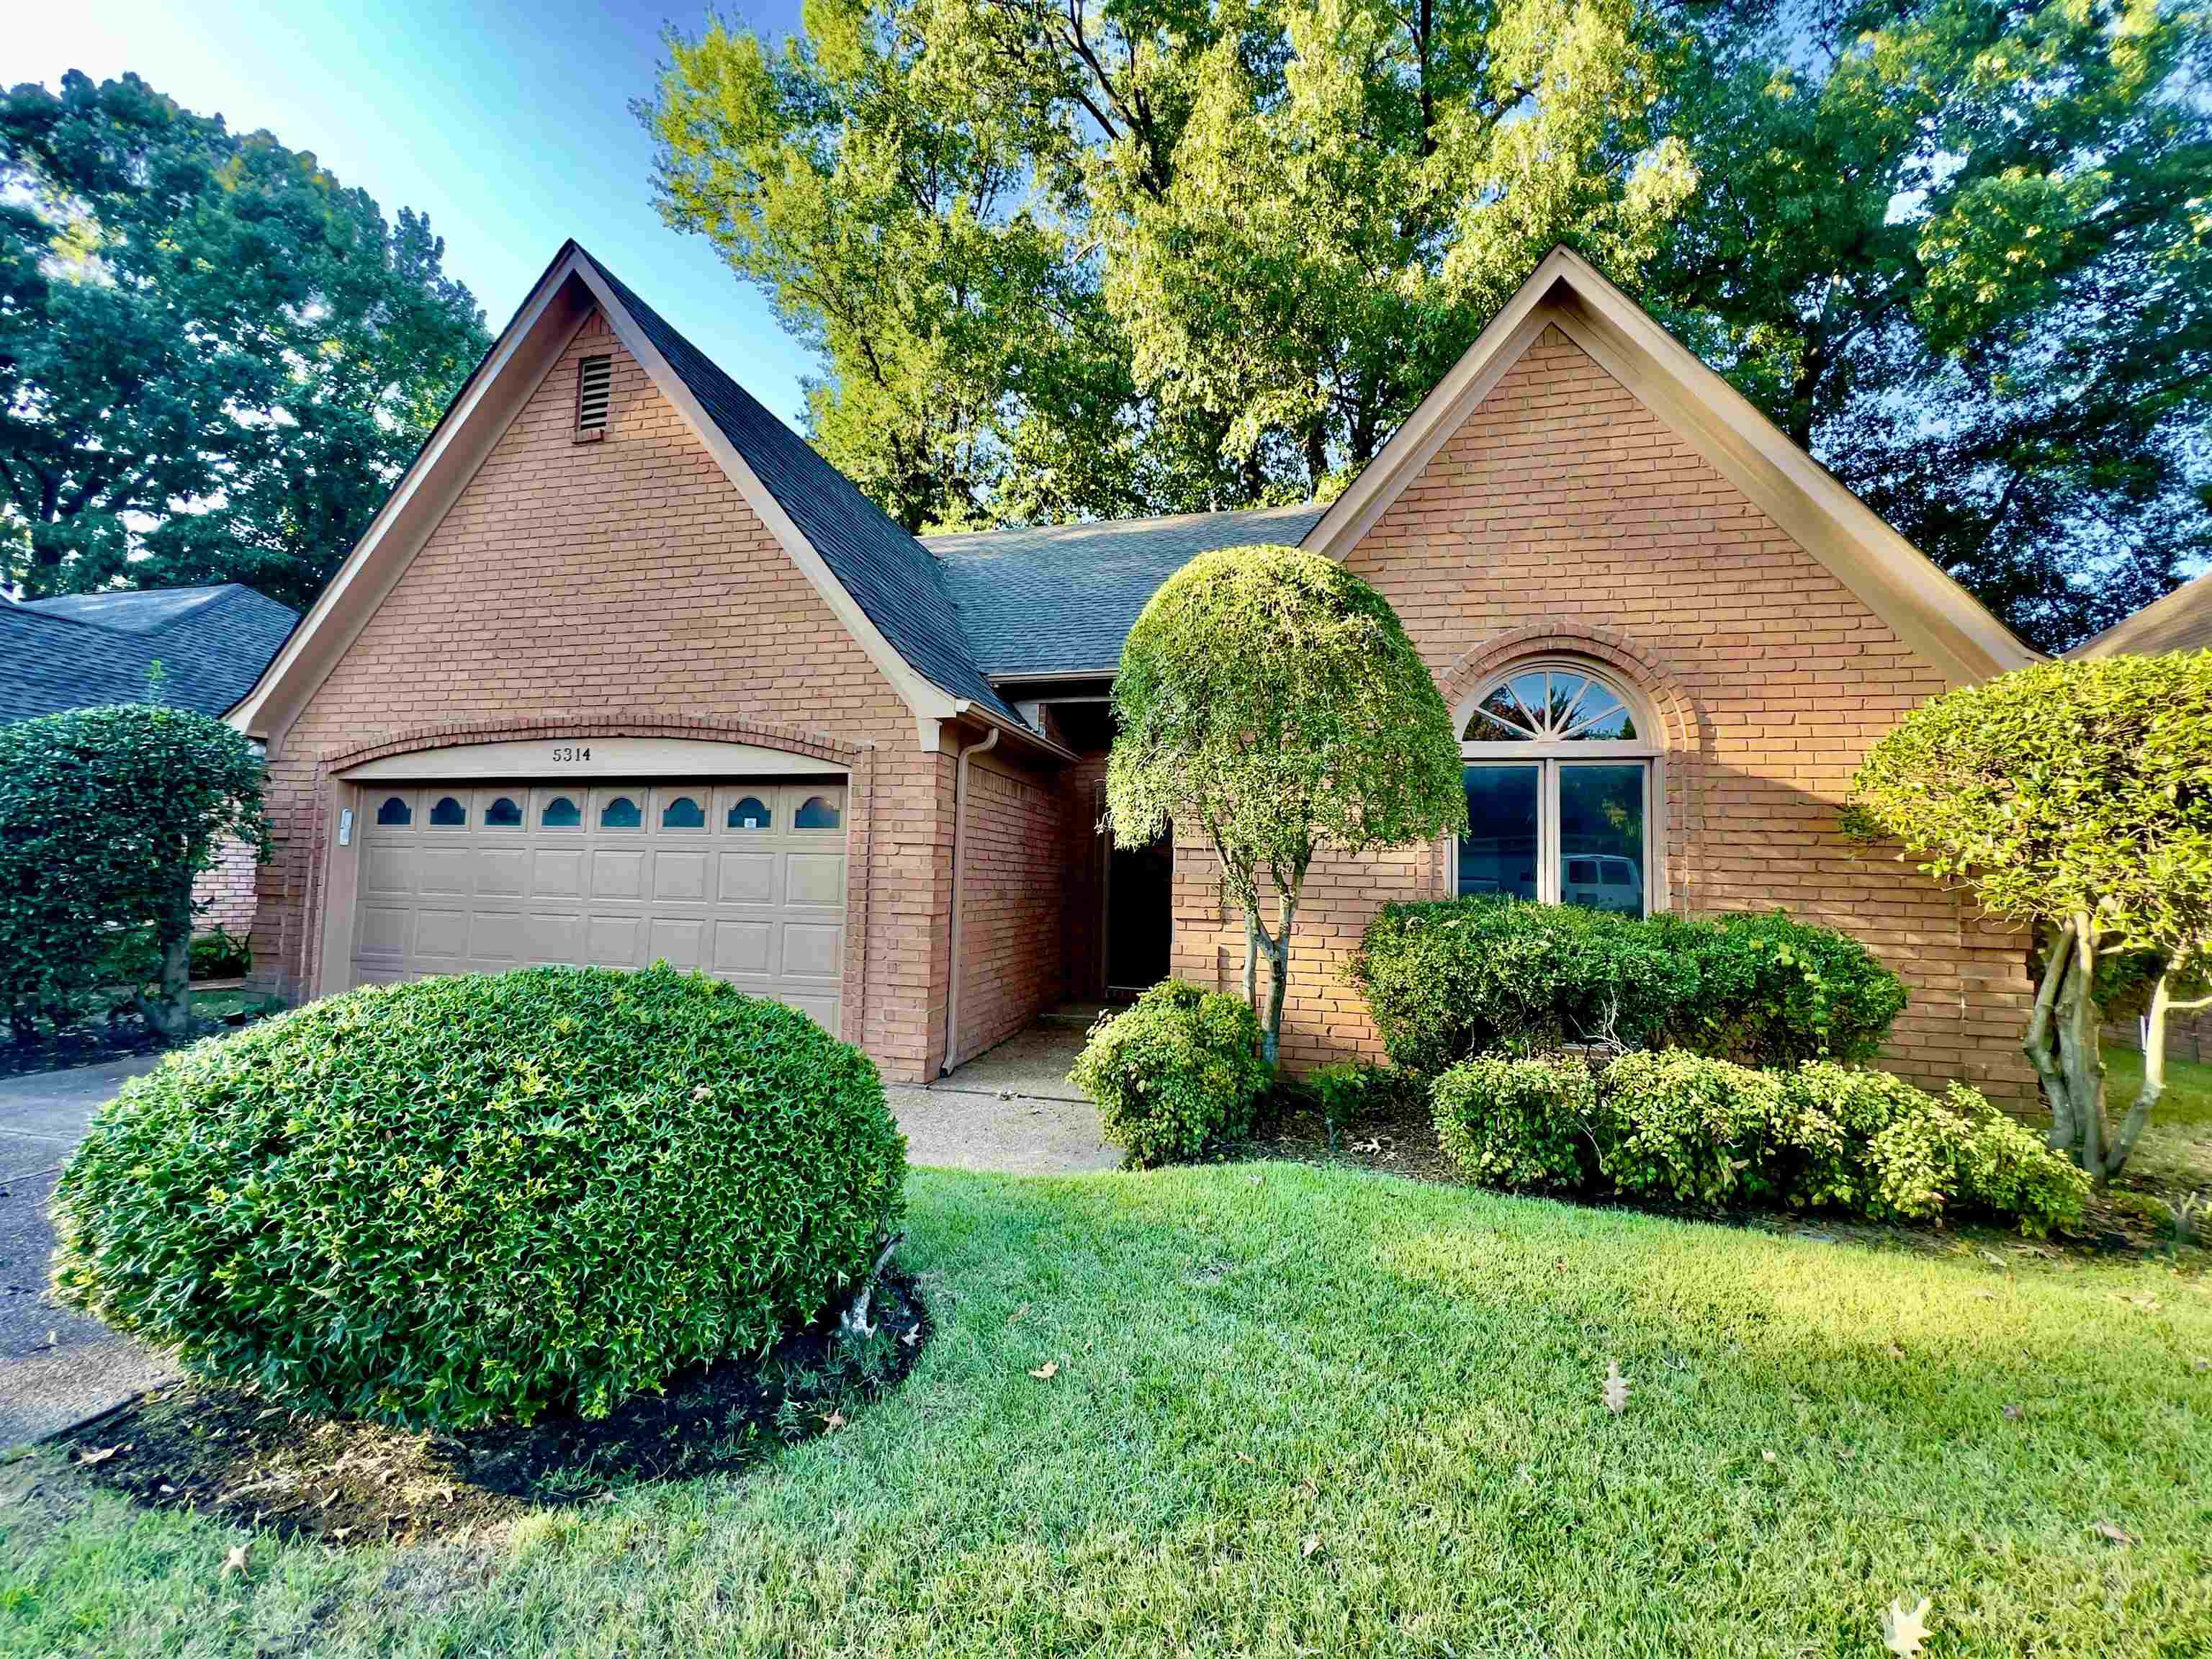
569, 752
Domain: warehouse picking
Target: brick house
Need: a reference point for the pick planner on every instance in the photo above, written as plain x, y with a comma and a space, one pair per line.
623, 670
86, 650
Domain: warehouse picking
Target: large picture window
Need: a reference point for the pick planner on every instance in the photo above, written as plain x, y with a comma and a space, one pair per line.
1559, 767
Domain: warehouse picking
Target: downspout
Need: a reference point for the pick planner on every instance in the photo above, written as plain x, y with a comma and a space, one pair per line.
959, 870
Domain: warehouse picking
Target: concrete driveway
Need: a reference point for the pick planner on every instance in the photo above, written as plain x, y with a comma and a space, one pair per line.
55, 1366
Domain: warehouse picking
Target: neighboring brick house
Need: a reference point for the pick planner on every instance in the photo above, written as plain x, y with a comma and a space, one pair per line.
623, 670
84, 650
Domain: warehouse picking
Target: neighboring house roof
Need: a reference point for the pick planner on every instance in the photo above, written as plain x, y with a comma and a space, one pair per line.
2181, 620
1060, 601
1897, 581
81, 650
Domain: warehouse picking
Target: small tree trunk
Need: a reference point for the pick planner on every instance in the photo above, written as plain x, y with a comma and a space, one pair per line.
2154, 1081
2040, 1045
1252, 958
169, 1010
1278, 957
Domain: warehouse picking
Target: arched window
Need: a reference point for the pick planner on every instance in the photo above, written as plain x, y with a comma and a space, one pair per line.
620, 813
819, 812
560, 813
394, 811
682, 813
1559, 768
504, 812
750, 813
448, 812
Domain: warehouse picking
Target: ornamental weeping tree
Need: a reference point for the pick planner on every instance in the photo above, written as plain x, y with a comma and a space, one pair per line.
1269, 701
107, 816
2075, 798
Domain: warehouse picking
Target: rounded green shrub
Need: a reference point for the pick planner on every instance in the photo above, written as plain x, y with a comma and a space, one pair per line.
1519, 1124
1775, 991
1689, 1128
484, 1196
1176, 1072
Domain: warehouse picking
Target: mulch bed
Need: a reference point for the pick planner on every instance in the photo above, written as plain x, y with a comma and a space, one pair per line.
91, 1041
227, 1454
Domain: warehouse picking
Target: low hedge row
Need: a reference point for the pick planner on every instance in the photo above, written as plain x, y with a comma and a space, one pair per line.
1176, 1073
1672, 1125
1449, 980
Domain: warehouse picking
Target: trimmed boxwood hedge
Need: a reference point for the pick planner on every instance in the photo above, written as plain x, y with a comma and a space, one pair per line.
1178, 1071
484, 1196
1680, 1127
1448, 980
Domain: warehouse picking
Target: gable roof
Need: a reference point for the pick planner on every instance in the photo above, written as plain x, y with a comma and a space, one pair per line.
881, 582
1892, 578
2179, 621
1060, 601
83, 650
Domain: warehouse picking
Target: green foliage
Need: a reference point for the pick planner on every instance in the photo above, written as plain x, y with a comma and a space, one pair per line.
1772, 990
1158, 258
1685, 1128
1520, 1123
1269, 702
1177, 1073
192, 316
220, 954
2075, 798
1352, 1092
1449, 979
105, 816
484, 1196
1956, 249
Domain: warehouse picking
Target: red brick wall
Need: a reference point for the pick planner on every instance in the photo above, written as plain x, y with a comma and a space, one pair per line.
222, 897
1010, 903
1564, 517
600, 582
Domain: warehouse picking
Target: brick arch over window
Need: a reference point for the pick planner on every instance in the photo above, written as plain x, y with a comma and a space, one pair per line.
857, 761
1686, 733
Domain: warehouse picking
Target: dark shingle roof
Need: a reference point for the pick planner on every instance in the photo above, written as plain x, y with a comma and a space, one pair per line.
1060, 600
889, 573
81, 650
2181, 620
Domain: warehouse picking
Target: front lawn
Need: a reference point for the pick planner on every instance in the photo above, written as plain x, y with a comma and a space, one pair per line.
1314, 1411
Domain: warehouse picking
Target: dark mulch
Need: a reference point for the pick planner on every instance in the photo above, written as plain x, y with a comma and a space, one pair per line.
1404, 1143
227, 1454
91, 1041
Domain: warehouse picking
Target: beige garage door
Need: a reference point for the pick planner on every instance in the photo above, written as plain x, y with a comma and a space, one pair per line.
746, 880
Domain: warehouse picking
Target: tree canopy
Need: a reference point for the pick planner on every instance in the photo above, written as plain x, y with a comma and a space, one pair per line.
214, 358
1064, 261
1270, 703
2075, 797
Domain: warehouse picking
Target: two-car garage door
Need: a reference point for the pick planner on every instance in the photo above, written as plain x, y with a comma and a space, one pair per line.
745, 879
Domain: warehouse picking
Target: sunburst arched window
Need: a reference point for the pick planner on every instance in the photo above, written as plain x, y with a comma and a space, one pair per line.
1559, 763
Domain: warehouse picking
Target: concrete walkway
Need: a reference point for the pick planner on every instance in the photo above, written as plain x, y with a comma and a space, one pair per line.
1012, 1109
55, 1366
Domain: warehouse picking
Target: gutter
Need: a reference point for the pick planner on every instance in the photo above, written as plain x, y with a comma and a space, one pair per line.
959, 870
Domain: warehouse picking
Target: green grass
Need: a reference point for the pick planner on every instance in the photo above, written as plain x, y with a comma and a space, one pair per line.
1253, 1356
2175, 1152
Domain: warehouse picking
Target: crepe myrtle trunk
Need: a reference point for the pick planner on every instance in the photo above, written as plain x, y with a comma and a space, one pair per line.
168, 1008
2062, 1045
1276, 945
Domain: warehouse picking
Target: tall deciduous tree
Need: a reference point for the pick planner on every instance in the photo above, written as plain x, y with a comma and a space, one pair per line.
1959, 249
1269, 701
1168, 254
214, 358
2075, 797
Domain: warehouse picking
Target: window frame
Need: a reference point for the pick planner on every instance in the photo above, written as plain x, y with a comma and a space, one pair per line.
1549, 755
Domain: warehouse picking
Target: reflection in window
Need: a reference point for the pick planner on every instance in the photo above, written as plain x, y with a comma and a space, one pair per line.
1557, 704
682, 813
1497, 855
818, 814
394, 811
1601, 837
560, 813
448, 812
620, 813
504, 812
750, 813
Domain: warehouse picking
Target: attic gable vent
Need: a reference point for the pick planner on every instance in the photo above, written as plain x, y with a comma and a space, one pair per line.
595, 378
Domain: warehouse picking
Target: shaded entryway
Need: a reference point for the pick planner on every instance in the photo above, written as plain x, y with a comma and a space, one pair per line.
1010, 1108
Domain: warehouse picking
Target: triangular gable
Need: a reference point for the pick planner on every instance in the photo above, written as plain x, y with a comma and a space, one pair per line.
894, 609
1892, 578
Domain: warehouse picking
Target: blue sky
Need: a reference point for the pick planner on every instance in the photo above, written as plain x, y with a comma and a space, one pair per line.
509, 124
